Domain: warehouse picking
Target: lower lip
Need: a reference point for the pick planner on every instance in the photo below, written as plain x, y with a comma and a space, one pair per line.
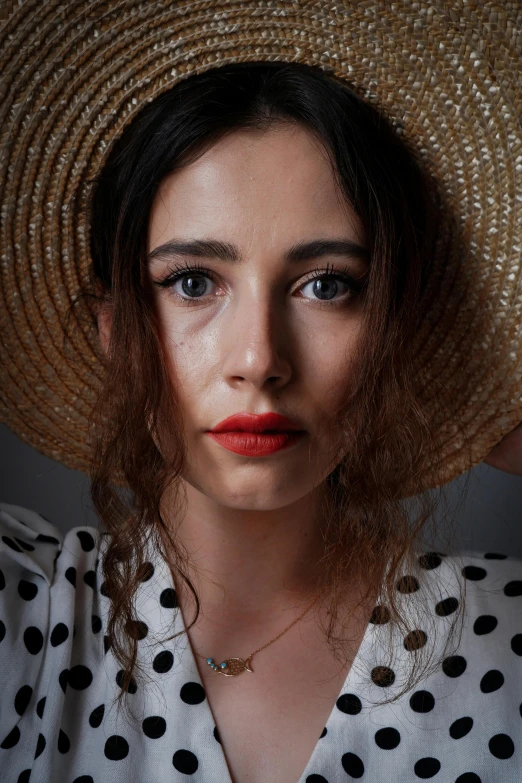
251, 444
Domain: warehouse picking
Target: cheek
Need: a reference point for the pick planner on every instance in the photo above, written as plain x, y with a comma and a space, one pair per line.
328, 365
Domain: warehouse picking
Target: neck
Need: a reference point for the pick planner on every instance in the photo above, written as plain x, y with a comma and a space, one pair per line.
249, 564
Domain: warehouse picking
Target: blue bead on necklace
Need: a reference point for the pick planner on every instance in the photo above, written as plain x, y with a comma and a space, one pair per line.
222, 665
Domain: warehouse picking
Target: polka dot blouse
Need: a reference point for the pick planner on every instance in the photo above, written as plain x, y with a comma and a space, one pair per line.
461, 724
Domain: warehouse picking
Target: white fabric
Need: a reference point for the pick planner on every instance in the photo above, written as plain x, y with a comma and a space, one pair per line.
461, 724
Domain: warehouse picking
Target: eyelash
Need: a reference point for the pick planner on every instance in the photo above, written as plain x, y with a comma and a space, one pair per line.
343, 274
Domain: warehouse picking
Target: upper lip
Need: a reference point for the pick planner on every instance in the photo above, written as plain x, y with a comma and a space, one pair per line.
252, 422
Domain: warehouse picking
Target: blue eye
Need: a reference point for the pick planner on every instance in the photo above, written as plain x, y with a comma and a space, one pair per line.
325, 285
324, 281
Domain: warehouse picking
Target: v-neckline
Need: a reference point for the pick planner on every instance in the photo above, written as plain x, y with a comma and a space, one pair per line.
349, 685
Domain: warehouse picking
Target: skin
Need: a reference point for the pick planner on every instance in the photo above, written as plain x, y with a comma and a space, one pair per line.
507, 454
257, 340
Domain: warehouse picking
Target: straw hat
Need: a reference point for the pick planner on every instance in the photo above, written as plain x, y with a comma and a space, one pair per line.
75, 74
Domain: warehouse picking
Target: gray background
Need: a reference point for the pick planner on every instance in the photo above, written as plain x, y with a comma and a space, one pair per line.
488, 517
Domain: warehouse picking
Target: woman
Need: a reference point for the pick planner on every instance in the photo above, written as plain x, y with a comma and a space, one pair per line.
259, 606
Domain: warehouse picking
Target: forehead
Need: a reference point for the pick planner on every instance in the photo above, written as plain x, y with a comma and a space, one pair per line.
281, 176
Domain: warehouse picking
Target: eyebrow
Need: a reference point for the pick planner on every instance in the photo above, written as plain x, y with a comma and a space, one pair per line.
225, 251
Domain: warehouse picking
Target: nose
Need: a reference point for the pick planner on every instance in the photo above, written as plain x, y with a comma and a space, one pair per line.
257, 343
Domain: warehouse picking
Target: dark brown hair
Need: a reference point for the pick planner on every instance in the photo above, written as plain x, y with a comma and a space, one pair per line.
375, 509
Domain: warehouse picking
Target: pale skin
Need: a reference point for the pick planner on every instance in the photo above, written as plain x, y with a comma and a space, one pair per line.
259, 339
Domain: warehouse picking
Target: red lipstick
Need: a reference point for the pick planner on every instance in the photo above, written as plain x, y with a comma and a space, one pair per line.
253, 435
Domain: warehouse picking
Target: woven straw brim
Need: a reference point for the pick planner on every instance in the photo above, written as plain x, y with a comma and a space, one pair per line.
75, 74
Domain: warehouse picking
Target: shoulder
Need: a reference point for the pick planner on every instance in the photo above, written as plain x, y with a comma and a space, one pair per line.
480, 579
47, 580
483, 590
34, 555
482, 574
31, 543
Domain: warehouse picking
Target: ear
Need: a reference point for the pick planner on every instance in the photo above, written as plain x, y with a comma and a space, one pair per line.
104, 325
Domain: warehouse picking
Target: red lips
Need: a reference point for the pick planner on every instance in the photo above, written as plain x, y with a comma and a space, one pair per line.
251, 422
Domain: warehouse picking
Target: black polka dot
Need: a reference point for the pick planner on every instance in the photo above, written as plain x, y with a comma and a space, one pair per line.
380, 615
169, 599
2, 580
147, 572
430, 560
27, 590
516, 643
352, 765
501, 746
192, 693
427, 767
415, 640
59, 634
459, 728
132, 687
11, 543
514, 588
64, 742
154, 727
11, 739
163, 662
24, 776
382, 676
47, 539
40, 707
22, 698
96, 716
408, 584
324, 733
484, 624
446, 606
89, 578
491, 681
474, 573
33, 640
349, 703
96, 623
468, 777
62, 679
137, 629
103, 589
2, 630
216, 734
422, 701
387, 738
70, 575
116, 748
454, 665
106, 644
315, 778
79, 677
86, 540
24, 545
83, 779
494, 556
185, 761
40, 746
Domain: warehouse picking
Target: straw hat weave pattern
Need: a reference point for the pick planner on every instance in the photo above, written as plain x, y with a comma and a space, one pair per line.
75, 74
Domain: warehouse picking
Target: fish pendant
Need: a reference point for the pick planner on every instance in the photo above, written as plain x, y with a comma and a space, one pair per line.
234, 666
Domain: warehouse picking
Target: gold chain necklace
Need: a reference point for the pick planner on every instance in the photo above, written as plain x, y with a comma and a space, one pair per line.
231, 667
